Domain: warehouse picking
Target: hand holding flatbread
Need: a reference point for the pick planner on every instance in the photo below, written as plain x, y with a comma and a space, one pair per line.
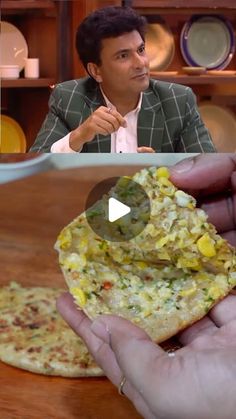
165, 278
152, 378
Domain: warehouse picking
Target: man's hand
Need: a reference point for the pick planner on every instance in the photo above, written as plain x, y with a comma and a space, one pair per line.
198, 382
103, 121
145, 150
211, 178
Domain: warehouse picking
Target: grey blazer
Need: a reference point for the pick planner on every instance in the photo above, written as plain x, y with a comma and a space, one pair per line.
168, 120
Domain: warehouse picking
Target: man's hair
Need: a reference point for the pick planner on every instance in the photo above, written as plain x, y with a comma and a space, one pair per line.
108, 22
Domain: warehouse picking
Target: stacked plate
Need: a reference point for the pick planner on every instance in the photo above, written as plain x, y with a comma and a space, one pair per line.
221, 123
207, 41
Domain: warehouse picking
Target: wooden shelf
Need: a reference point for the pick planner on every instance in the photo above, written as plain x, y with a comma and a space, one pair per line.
184, 4
45, 24
27, 4
202, 79
204, 85
42, 82
177, 7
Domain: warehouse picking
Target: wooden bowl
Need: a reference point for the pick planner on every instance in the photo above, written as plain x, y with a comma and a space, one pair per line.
194, 71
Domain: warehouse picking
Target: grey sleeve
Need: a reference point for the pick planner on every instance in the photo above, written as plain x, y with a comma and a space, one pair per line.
54, 127
194, 137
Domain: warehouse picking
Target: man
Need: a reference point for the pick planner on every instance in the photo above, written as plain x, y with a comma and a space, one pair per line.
118, 108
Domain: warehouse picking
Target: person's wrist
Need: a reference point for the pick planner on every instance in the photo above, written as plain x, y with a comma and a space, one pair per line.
77, 139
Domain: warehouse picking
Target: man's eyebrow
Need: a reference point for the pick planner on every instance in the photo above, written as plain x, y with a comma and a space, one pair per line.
122, 51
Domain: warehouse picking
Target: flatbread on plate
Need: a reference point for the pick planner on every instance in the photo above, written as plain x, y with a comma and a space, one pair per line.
164, 279
34, 337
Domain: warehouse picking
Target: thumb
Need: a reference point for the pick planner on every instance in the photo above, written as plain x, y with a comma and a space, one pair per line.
205, 171
136, 354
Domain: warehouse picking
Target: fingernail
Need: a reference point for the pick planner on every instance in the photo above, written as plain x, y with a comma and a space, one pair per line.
101, 330
184, 165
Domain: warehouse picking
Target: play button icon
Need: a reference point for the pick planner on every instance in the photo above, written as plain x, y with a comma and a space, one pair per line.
117, 209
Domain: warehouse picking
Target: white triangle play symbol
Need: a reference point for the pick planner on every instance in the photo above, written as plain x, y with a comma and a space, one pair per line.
116, 209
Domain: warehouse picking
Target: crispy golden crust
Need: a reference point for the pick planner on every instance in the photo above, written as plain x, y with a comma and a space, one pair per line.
165, 278
34, 337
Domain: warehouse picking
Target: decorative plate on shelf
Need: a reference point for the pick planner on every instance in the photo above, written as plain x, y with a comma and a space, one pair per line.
13, 46
221, 123
160, 46
12, 136
207, 41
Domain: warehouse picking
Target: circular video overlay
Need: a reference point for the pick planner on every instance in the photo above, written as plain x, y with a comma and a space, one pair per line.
118, 209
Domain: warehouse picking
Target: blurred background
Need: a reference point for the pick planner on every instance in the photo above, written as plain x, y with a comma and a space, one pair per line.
191, 43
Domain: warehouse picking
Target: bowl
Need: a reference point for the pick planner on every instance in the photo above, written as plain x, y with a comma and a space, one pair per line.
15, 166
9, 71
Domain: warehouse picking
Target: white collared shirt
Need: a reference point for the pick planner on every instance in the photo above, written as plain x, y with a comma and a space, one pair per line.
124, 140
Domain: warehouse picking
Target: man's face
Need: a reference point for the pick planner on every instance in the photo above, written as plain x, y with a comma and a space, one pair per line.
124, 65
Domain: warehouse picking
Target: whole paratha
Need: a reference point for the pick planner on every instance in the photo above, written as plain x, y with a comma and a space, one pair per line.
165, 278
33, 336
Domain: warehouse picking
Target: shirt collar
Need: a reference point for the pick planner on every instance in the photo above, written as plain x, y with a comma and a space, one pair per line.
110, 105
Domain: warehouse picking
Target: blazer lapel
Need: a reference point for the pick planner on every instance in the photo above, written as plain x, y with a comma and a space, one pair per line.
150, 125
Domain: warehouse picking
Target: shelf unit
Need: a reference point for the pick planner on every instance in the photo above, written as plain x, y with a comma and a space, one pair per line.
201, 79
216, 85
218, 89
45, 25
41, 82
12, 5
182, 6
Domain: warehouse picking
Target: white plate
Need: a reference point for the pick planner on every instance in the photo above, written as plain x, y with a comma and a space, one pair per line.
20, 169
160, 46
221, 123
13, 46
207, 41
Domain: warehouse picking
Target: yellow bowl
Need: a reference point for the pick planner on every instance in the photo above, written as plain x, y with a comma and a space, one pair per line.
12, 136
